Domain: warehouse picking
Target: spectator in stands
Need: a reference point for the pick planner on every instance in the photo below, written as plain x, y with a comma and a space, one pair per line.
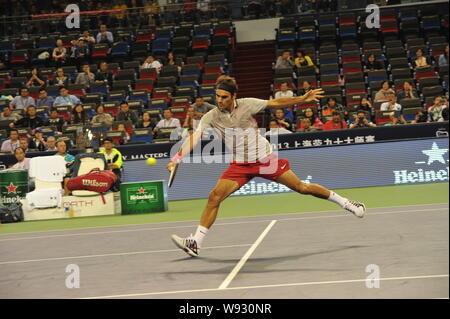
8, 115
9, 145
282, 120
190, 122
435, 111
61, 147
23, 144
86, 77
30, 121
79, 115
59, 53
104, 36
55, 119
420, 117
336, 123
151, 63
104, 74
44, 100
408, 92
366, 106
51, 144
167, 121
203, 12
65, 98
332, 106
146, 121
126, 137
302, 60
102, 117
275, 129
201, 107
306, 87
60, 78
305, 125
126, 114
284, 60
171, 61
113, 160
22, 101
255, 8
315, 121
383, 94
421, 61
394, 120
35, 79
79, 52
391, 105
372, 64
37, 142
22, 161
87, 38
443, 58
120, 17
361, 121
284, 91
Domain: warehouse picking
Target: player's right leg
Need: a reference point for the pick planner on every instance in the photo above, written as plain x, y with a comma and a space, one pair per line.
221, 191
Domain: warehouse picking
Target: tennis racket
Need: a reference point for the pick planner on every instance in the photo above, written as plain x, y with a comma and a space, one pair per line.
172, 174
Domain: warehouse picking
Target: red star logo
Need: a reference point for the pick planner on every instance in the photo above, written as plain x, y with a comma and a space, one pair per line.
141, 190
11, 188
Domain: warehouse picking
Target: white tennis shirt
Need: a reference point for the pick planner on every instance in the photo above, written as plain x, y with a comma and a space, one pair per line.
239, 129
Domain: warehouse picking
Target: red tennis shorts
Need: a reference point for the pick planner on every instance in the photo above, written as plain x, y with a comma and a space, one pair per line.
271, 167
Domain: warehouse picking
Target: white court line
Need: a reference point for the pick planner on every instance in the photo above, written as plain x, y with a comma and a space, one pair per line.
311, 283
247, 255
344, 214
196, 220
113, 254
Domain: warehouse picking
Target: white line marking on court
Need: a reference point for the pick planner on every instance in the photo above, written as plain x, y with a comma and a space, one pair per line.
311, 283
247, 255
113, 254
344, 214
196, 220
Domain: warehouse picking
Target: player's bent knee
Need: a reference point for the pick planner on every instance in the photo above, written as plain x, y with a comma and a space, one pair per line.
302, 188
215, 197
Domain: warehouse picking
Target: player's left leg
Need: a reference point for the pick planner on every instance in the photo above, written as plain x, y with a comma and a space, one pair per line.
291, 180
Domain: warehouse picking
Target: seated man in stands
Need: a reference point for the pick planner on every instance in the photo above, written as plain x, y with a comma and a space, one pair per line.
23, 144
22, 161
22, 101
104, 74
51, 144
285, 61
126, 114
201, 107
55, 119
167, 121
9, 145
408, 92
361, 121
31, 121
392, 105
284, 91
105, 36
8, 115
86, 77
65, 98
61, 147
336, 123
44, 100
114, 160
435, 112
275, 129
282, 120
306, 126
332, 106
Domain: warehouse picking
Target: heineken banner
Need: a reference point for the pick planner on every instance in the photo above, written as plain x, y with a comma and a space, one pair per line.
13, 185
143, 197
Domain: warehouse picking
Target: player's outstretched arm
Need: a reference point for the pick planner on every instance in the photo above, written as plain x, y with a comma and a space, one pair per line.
311, 96
186, 148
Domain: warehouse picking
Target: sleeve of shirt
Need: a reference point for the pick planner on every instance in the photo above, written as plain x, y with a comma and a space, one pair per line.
118, 160
76, 100
204, 123
159, 124
383, 107
255, 105
4, 147
31, 101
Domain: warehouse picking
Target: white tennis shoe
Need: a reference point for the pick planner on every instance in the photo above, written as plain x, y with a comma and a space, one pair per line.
358, 209
188, 245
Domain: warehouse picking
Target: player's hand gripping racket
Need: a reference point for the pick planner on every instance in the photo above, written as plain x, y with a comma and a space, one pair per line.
173, 172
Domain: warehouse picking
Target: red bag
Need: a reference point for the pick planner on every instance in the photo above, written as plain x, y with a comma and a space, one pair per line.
96, 181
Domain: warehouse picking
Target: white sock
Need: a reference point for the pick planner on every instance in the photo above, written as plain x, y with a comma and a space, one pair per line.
200, 235
335, 198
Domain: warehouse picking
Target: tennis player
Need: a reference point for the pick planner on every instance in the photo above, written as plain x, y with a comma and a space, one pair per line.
255, 158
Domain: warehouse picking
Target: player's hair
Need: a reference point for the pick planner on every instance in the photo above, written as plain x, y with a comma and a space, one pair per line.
228, 81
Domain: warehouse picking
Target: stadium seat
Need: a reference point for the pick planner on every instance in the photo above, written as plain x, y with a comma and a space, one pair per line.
158, 104
144, 84
112, 108
139, 95
148, 74
328, 69
142, 135
166, 81
432, 91
120, 50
